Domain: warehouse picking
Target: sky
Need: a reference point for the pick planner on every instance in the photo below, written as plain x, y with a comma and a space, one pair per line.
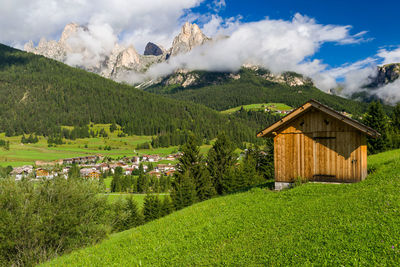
336, 43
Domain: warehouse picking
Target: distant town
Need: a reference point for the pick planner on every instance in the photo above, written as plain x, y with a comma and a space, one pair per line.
93, 166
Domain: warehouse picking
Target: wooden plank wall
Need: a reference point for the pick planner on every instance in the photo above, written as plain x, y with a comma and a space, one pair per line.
343, 158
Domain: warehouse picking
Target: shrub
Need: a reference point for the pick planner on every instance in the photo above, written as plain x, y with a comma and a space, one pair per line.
45, 219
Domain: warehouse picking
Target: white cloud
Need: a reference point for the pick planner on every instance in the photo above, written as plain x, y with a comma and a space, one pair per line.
89, 47
390, 93
390, 56
278, 45
24, 20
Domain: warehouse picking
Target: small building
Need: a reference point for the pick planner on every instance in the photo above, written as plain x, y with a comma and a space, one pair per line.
317, 143
154, 173
90, 173
42, 173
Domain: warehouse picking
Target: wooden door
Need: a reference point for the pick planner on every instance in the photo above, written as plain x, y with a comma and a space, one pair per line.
325, 157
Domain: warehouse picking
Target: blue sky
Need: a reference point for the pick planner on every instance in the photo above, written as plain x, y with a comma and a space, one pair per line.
379, 18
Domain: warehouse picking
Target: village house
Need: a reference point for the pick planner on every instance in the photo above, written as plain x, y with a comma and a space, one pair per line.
66, 169
48, 163
128, 171
170, 172
90, 173
42, 173
135, 160
165, 167
151, 158
21, 172
317, 143
170, 157
155, 173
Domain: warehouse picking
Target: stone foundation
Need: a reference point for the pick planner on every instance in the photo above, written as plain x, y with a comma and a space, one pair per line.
282, 185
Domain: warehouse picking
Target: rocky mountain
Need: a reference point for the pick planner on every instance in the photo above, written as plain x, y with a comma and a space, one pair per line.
119, 61
154, 50
386, 74
189, 37
124, 63
187, 79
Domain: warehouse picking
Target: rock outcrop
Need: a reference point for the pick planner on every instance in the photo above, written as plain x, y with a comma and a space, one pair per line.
386, 74
153, 50
189, 37
121, 60
123, 63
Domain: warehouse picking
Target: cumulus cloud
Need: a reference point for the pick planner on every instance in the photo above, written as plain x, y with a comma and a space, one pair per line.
389, 56
88, 47
134, 20
390, 93
277, 45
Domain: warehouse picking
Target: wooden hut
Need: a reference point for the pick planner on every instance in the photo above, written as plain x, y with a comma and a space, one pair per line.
317, 143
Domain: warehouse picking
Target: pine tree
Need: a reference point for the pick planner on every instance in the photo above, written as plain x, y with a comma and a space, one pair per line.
134, 217
142, 181
193, 163
376, 119
151, 207
73, 172
221, 158
116, 183
396, 118
167, 206
183, 190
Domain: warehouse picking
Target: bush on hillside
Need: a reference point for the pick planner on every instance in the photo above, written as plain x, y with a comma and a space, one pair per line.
46, 219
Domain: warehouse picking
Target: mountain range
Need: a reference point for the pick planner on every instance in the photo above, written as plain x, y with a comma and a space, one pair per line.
123, 63
120, 60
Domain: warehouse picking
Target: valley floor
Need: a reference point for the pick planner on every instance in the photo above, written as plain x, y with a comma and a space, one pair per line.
312, 224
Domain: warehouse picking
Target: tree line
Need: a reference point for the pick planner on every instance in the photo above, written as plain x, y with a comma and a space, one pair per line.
387, 125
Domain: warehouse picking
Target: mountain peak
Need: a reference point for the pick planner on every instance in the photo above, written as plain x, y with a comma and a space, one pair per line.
153, 49
189, 37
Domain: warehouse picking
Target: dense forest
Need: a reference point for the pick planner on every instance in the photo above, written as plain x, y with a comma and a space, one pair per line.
41, 95
221, 93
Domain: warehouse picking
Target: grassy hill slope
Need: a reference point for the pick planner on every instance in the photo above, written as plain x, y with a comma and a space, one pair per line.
39, 93
251, 88
320, 224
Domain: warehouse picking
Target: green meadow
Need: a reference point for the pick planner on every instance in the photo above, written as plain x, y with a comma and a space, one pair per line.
22, 154
259, 107
139, 198
311, 224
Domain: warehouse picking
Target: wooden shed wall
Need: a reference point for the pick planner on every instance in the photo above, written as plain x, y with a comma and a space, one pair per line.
321, 148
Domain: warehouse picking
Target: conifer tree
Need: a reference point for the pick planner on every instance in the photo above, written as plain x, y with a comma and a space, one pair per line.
183, 190
376, 119
134, 217
116, 182
167, 206
142, 181
151, 207
193, 163
396, 118
73, 172
221, 158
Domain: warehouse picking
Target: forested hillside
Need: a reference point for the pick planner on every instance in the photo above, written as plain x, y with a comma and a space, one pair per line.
221, 92
39, 95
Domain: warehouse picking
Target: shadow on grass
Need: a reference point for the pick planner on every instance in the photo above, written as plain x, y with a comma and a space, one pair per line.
267, 185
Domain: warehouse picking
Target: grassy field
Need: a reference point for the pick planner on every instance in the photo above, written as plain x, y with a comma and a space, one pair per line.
139, 198
312, 224
258, 107
23, 154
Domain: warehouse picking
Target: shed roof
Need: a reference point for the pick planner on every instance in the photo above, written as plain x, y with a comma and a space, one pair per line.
315, 104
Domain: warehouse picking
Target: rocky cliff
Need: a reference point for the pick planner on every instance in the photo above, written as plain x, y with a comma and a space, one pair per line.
119, 61
122, 63
386, 74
